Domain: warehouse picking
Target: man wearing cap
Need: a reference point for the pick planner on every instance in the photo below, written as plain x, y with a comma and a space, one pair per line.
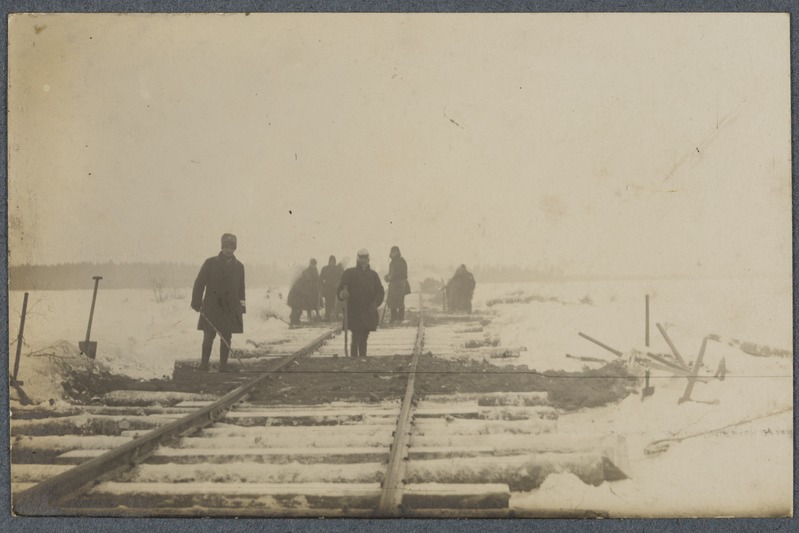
398, 286
221, 278
361, 288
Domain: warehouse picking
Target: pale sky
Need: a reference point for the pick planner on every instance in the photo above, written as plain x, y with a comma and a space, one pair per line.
633, 144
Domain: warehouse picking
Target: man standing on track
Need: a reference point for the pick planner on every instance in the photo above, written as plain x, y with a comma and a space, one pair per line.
311, 304
221, 278
460, 290
398, 286
329, 278
361, 288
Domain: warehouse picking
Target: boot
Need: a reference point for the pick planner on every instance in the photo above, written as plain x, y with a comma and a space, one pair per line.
205, 357
224, 351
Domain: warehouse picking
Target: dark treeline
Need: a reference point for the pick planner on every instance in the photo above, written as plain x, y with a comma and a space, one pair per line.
65, 276
126, 276
517, 274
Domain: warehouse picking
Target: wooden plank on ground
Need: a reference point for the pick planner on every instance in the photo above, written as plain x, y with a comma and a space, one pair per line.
34, 473
521, 472
455, 496
491, 398
442, 426
458, 410
90, 424
155, 495
341, 439
536, 443
258, 473
274, 455
45, 449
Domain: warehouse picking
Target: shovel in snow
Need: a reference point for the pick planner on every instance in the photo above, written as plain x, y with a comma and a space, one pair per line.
87, 347
648, 391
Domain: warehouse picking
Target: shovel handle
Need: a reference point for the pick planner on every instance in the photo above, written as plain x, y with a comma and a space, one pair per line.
94, 299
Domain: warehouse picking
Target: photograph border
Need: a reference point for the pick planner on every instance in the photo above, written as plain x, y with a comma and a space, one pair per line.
11, 523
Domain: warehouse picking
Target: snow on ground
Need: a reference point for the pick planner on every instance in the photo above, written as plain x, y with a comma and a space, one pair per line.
136, 335
744, 469
728, 469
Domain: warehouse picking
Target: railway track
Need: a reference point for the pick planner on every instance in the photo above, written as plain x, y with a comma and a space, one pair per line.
384, 451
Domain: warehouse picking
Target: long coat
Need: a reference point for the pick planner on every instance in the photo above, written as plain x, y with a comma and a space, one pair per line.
302, 293
460, 290
366, 295
222, 281
329, 278
397, 282
312, 293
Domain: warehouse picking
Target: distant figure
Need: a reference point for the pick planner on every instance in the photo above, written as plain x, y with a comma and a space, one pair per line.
360, 287
329, 278
300, 294
311, 304
460, 290
221, 278
398, 286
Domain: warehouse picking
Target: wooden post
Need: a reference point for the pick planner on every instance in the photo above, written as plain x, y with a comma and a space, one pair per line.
677, 355
647, 322
19, 338
614, 351
692, 378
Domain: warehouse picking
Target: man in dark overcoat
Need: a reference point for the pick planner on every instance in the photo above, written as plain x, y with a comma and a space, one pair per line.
460, 290
299, 296
361, 288
221, 280
311, 303
398, 286
329, 278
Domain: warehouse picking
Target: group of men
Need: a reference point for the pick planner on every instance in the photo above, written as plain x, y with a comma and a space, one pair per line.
219, 296
313, 287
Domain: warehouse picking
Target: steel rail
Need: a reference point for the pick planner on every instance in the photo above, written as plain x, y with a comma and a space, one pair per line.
391, 496
46, 498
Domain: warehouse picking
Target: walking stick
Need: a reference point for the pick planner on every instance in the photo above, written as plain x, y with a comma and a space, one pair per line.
222, 338
383, 316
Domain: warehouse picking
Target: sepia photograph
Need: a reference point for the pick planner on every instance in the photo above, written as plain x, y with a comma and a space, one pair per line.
416, 265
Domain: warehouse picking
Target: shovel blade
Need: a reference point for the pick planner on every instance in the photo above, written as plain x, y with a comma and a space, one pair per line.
88, 348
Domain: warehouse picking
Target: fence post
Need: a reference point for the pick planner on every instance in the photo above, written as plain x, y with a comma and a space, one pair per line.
19, 339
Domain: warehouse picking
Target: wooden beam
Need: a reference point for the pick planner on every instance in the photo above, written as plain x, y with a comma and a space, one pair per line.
235, 495
521, 472
692, 378
264, 455
614, 351
455, 496
672, 347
